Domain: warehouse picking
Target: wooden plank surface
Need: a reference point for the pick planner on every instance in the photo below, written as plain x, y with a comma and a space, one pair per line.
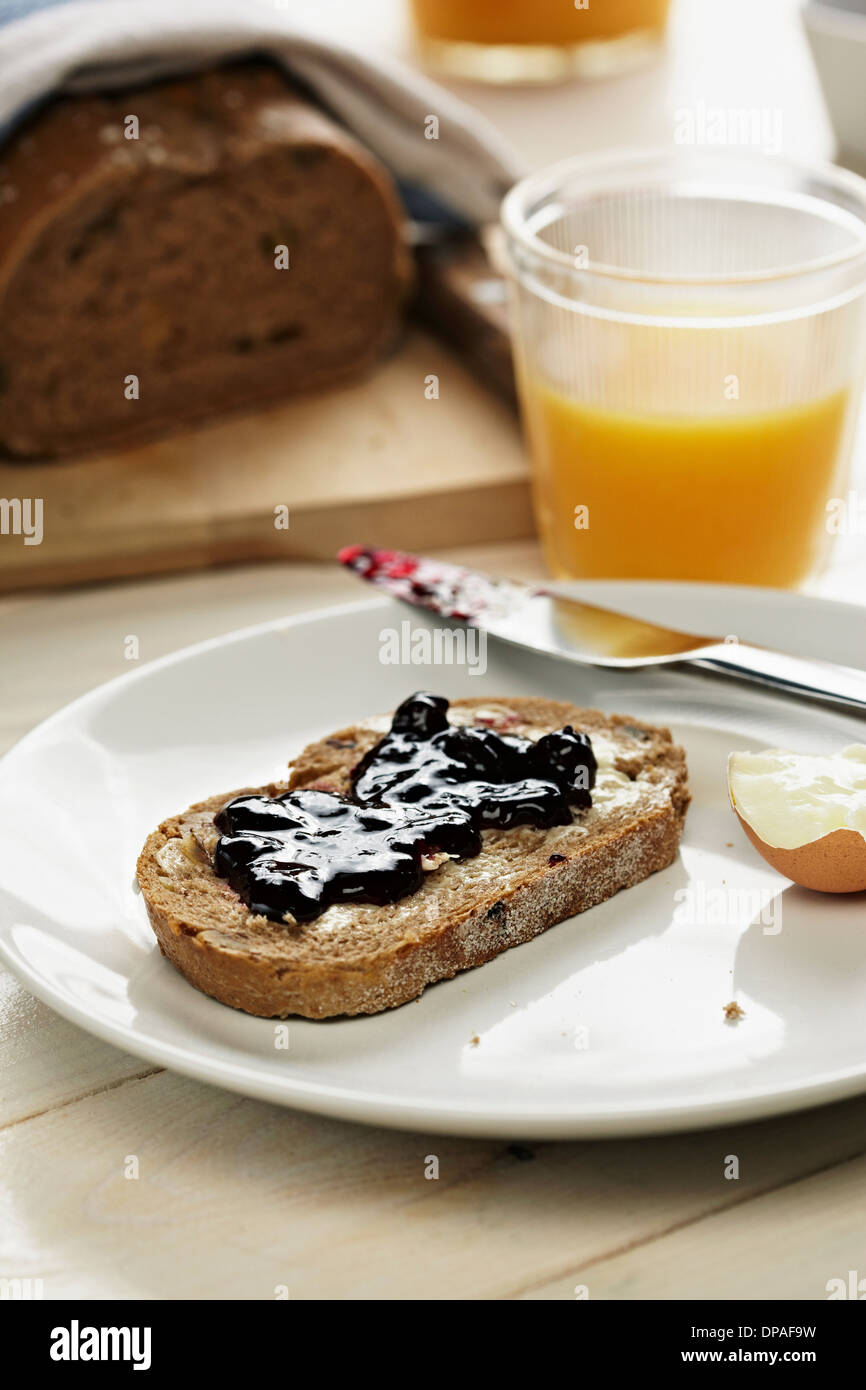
234, 1197
786, 1243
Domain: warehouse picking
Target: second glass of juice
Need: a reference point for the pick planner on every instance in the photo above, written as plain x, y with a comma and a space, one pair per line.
689, 339
538, 41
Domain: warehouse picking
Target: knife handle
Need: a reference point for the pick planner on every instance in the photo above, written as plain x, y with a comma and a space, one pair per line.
794, 675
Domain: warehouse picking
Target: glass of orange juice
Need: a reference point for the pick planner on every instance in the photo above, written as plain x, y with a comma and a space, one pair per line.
537, 40
689, 343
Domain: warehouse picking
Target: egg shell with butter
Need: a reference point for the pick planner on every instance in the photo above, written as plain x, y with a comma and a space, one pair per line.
836, 863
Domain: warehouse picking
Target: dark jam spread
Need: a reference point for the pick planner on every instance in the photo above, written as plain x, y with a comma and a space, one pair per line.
427, 788
500, 781
303, 851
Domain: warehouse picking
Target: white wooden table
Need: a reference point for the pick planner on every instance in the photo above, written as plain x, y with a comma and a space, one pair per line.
235, 1197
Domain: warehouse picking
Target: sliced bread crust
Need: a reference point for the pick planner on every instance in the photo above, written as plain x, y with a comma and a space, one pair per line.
360, 959
241, 249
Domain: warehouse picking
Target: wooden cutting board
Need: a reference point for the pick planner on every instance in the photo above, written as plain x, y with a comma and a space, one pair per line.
383, 462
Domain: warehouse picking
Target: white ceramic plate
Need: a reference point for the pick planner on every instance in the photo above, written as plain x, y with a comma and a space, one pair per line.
611, 1023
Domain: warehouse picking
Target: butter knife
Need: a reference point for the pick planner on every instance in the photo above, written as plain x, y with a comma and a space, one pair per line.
543, 621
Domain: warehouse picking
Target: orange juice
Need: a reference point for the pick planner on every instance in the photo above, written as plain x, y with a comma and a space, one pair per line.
535, 21
736, 498
689, 336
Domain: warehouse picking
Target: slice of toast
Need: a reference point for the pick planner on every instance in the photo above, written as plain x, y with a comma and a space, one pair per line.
360, 958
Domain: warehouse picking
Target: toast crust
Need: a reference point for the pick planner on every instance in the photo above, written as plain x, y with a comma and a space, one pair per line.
362, 959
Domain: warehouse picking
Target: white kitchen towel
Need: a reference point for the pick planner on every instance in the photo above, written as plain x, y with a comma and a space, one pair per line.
46, 48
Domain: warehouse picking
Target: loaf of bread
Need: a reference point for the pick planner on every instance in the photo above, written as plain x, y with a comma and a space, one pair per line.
358, 958
168, 254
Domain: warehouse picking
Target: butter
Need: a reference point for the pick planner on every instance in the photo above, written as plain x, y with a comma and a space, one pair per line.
791, 799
